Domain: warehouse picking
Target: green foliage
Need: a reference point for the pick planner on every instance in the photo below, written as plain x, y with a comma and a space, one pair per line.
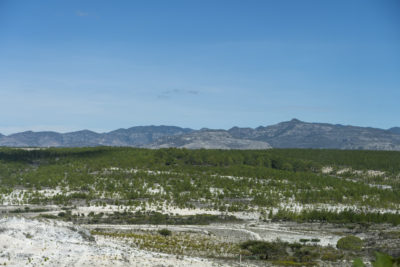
178, 244
381, 260
331, 255
164, 232
48, 216
151, 217
263, 250
27, 209
358, 263
357, 159
350, 243
346, 216
288, 254
384, 260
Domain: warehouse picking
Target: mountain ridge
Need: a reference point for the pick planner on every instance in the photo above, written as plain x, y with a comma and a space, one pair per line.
288, 134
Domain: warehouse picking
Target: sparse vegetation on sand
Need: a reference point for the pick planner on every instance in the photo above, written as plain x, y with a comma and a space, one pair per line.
219, 180
179, 243
219, 204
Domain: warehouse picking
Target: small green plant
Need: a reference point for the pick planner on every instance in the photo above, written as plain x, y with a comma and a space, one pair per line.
350, 243
331, 256
304, 240
164, 232
28, 235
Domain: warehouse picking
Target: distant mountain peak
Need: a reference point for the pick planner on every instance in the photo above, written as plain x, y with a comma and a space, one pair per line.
294, 120
84, 131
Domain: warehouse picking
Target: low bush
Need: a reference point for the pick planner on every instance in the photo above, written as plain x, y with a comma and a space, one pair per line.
331, 256
264, 250
164, 232
350, 243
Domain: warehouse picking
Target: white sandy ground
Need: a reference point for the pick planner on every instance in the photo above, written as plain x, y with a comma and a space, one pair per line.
370, 173
26, 242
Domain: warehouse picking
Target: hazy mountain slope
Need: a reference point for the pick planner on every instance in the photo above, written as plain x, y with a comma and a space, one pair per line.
82, 138
135, 136
298, 134
395, 130
141, 135
211, 139
29, 138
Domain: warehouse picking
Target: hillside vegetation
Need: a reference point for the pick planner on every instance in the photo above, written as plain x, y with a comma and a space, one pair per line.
224, 180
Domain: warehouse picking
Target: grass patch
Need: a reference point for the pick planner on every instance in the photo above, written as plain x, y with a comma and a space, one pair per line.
350, 243
190, 244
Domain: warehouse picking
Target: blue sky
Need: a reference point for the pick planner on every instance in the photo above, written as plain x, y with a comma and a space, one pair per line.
103, 65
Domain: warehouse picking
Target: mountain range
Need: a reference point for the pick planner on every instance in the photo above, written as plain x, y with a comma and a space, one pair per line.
289, 134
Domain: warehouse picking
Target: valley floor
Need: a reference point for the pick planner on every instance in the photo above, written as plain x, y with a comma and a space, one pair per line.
30, 239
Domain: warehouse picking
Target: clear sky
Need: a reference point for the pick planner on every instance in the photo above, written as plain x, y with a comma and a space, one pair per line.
103, 65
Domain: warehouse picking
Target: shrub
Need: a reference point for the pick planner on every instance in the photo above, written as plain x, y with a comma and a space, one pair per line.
303, 240
350, 243
264, 250
164, 232
331, 256
48, 216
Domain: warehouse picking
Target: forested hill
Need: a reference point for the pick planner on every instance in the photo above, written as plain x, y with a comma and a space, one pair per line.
289, 134
266, 178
